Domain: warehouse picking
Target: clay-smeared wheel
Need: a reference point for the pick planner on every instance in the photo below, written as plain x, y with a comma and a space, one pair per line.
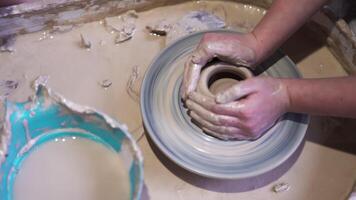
171, 129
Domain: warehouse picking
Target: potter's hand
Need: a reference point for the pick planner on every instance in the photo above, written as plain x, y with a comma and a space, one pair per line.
244, 111
238, 49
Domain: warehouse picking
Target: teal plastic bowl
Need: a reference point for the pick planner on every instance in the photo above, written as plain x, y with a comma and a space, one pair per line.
48, 116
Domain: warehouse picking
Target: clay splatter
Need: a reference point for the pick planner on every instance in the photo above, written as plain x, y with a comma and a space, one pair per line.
281, 187
105, 83
161, 28
85, 42
135, 95
123, 27
192, 22
62, 29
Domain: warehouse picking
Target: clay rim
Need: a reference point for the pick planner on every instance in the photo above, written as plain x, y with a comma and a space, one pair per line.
210, 74
215, 72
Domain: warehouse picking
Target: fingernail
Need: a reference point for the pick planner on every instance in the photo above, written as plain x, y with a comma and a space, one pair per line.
191, 95
193, 115
182, 93
190, 89
220, 98
189, 104
195, 59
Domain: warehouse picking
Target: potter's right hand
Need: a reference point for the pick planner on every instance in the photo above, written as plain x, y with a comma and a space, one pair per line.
238, 49
244, 111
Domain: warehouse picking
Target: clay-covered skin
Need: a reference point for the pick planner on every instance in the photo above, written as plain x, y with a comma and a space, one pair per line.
251, 116
244, 111
238, 49
215, 79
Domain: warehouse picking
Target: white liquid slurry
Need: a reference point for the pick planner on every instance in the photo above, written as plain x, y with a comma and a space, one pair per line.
72, 169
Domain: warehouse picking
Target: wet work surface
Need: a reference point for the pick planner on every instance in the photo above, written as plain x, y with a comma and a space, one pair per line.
107, 76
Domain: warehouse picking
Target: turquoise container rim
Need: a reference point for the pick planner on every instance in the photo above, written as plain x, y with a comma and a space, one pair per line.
49, 116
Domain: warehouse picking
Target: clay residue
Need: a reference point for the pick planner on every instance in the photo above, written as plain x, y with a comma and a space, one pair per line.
7, 87
160, 28
85, 42
281, 187
105, 83
5, 135
123, 27
38, 15
7, 43
132, 84
191, 22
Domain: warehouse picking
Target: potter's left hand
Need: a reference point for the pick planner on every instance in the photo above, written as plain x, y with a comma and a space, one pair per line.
237, 49
245, 111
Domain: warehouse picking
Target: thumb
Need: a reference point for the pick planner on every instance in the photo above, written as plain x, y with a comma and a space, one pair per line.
235, 92
230, 52
201, 56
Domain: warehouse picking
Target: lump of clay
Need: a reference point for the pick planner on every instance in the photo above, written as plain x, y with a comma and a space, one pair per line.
85, 42
161, 28
193, 22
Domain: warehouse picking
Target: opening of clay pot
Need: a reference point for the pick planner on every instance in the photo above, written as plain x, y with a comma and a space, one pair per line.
224, 79
219, 77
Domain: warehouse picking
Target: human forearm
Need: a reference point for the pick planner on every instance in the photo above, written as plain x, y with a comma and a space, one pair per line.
11, 2
281, 21
331, 96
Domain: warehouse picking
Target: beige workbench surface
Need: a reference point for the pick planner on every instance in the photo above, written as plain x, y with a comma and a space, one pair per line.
321, 172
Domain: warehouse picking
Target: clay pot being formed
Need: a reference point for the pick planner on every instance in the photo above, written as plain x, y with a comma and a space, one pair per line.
217, 78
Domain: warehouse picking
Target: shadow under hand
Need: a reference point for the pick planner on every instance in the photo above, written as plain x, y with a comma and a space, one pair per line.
333, 132
275, 57
300, 45
308, 39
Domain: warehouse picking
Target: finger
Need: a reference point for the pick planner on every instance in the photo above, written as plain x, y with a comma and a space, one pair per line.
215, 119
223, 136
235, 54
227, 51
231, 109
224, 132
202, 55
193, 66
183, 89
235, 92
191, 77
